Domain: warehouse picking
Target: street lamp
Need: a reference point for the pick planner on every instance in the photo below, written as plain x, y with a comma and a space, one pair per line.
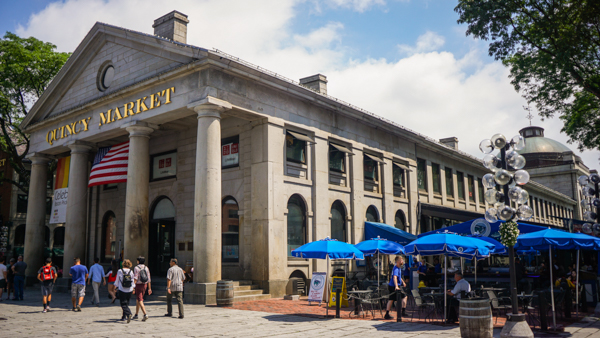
509, 203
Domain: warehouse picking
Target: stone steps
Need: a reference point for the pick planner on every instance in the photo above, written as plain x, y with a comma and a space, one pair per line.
243, 291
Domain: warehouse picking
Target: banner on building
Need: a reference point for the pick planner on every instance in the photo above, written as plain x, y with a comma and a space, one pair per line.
61, 191
317, 285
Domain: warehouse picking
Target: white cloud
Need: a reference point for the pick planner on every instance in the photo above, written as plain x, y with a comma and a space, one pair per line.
356, 5
429, 90
427, 42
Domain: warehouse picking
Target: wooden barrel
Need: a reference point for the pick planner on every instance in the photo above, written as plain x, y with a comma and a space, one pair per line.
476, 318
224, 293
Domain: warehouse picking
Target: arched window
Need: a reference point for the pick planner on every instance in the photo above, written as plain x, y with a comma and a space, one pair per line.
296, 223
20, 235
164, 209
372, 214
400, 220
161, 237
338, 221
59, 237
230, 225
109, 236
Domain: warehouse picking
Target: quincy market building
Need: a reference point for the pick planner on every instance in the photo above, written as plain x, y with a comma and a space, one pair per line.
259, 164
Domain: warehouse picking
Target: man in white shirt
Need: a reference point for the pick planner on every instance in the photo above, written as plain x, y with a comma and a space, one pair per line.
461, 285
3, 275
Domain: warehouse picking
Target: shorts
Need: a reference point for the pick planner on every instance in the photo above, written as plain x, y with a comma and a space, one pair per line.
77, 290
2, 283
111, 283
140, 290
393, 293
47, 289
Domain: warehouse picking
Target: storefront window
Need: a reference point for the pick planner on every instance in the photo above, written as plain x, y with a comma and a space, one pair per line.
449, 183
337, 159
296, 223
397, 175
435, 176
460, 184
421, 174
338, 221
370, 167
295, 148
230, 230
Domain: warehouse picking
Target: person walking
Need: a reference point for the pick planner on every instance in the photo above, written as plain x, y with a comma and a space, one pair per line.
112, 277
10, 279
79, 273
396, 282
3, 275
19, 269
47, 275
175, 278
141, 274
96, 277
126, 286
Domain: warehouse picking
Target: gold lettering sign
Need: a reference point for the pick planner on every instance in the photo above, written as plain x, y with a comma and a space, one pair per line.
2, 162
118, 113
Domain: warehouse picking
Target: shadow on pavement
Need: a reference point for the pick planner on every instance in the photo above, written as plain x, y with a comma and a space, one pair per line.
295, 318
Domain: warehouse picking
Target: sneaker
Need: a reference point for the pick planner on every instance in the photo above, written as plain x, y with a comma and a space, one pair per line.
48, 308
78, 308
135, 317
128, 319
169, 315
97, 305
180, 317
145, 318
404, 314
74, 309
387, 316
44, 311
92, 302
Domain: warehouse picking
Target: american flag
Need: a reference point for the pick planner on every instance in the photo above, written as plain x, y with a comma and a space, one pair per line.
110, 165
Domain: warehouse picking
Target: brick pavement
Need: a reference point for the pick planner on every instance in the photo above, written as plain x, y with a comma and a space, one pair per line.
25, 319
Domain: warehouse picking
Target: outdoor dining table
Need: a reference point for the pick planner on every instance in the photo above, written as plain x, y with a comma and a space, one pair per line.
526, 301
359, 295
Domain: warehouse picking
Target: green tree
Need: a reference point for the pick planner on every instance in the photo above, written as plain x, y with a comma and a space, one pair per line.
552, 48
26, 68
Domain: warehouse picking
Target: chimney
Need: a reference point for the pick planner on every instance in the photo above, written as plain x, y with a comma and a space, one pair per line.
317, 82
451, 142
172, 26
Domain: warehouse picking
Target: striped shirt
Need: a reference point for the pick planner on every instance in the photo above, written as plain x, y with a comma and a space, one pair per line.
176, 276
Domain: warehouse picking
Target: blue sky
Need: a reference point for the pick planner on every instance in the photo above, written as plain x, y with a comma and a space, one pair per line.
406, 60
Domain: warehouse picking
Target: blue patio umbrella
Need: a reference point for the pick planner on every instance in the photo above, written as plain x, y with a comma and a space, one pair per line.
449, 244
498, 249
557, 239
379, 245
328, 249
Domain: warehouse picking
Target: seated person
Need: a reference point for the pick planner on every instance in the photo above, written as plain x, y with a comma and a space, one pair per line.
461, 285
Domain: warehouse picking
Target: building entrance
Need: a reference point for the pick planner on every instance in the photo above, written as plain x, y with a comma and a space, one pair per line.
161, 246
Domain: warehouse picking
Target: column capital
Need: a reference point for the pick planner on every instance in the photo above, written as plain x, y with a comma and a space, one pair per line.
137, 128
80, 147
39, 158
210, 107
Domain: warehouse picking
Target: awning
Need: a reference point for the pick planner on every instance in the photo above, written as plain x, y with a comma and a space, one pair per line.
402, 166
301, 137
483, 228
374, 158
373, 229
342, 149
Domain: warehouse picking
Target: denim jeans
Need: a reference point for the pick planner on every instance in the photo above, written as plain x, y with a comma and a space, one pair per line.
19, 284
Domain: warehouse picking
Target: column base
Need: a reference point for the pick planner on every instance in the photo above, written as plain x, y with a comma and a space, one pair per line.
275, 287
516, 327
200, 293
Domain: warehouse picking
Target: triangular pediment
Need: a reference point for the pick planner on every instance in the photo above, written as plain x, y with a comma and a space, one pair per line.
134, 56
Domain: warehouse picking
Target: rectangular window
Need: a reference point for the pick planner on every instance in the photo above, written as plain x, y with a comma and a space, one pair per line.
110, 186
337, 157
481, 191
21, 203
449, 183
398, 175
460, 183
436, 178
230, 152
421, 174
295, 147
371, 167
471, 181
536, 209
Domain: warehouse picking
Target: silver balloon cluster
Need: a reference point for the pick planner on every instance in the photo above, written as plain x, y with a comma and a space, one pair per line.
500, 177
590, 203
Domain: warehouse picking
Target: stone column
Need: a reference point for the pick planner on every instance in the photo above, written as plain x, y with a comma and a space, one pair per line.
36, 214
76, 220
207, 201
136, 197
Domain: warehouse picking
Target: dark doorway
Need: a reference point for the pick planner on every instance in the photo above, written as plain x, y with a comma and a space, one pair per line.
161, 246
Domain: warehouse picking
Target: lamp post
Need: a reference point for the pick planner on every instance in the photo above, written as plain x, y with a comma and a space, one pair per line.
509, 203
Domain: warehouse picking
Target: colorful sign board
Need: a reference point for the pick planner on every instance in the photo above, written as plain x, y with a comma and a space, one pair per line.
338, 283
317, 286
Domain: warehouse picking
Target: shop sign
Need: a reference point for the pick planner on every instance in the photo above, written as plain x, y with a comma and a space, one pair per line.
317, 285
164, 166
230, 155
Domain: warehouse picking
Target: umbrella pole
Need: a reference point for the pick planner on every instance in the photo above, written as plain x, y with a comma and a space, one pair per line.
577, 286
378, 266
552, 288
445, 284
328, 288
475, 284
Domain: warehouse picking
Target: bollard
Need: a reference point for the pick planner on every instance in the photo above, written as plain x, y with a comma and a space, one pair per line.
398, 306
337, 302
543, 310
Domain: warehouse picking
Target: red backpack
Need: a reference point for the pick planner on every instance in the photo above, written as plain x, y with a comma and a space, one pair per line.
47, 273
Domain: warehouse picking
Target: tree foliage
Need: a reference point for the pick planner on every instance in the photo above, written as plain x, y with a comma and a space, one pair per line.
552, 48
26, 67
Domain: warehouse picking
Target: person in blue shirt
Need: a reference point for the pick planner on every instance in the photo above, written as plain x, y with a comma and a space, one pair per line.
394, 286
79, 273
96, 277
437, 266
422, 269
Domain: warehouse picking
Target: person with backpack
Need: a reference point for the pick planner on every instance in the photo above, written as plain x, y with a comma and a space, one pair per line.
126, 285
47, 275
141, 274
96, 277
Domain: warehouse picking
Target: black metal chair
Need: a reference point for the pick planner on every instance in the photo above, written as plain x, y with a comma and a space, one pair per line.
498, 304
422, 303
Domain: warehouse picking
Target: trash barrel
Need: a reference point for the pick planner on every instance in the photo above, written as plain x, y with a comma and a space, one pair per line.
476, 318
224, 293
